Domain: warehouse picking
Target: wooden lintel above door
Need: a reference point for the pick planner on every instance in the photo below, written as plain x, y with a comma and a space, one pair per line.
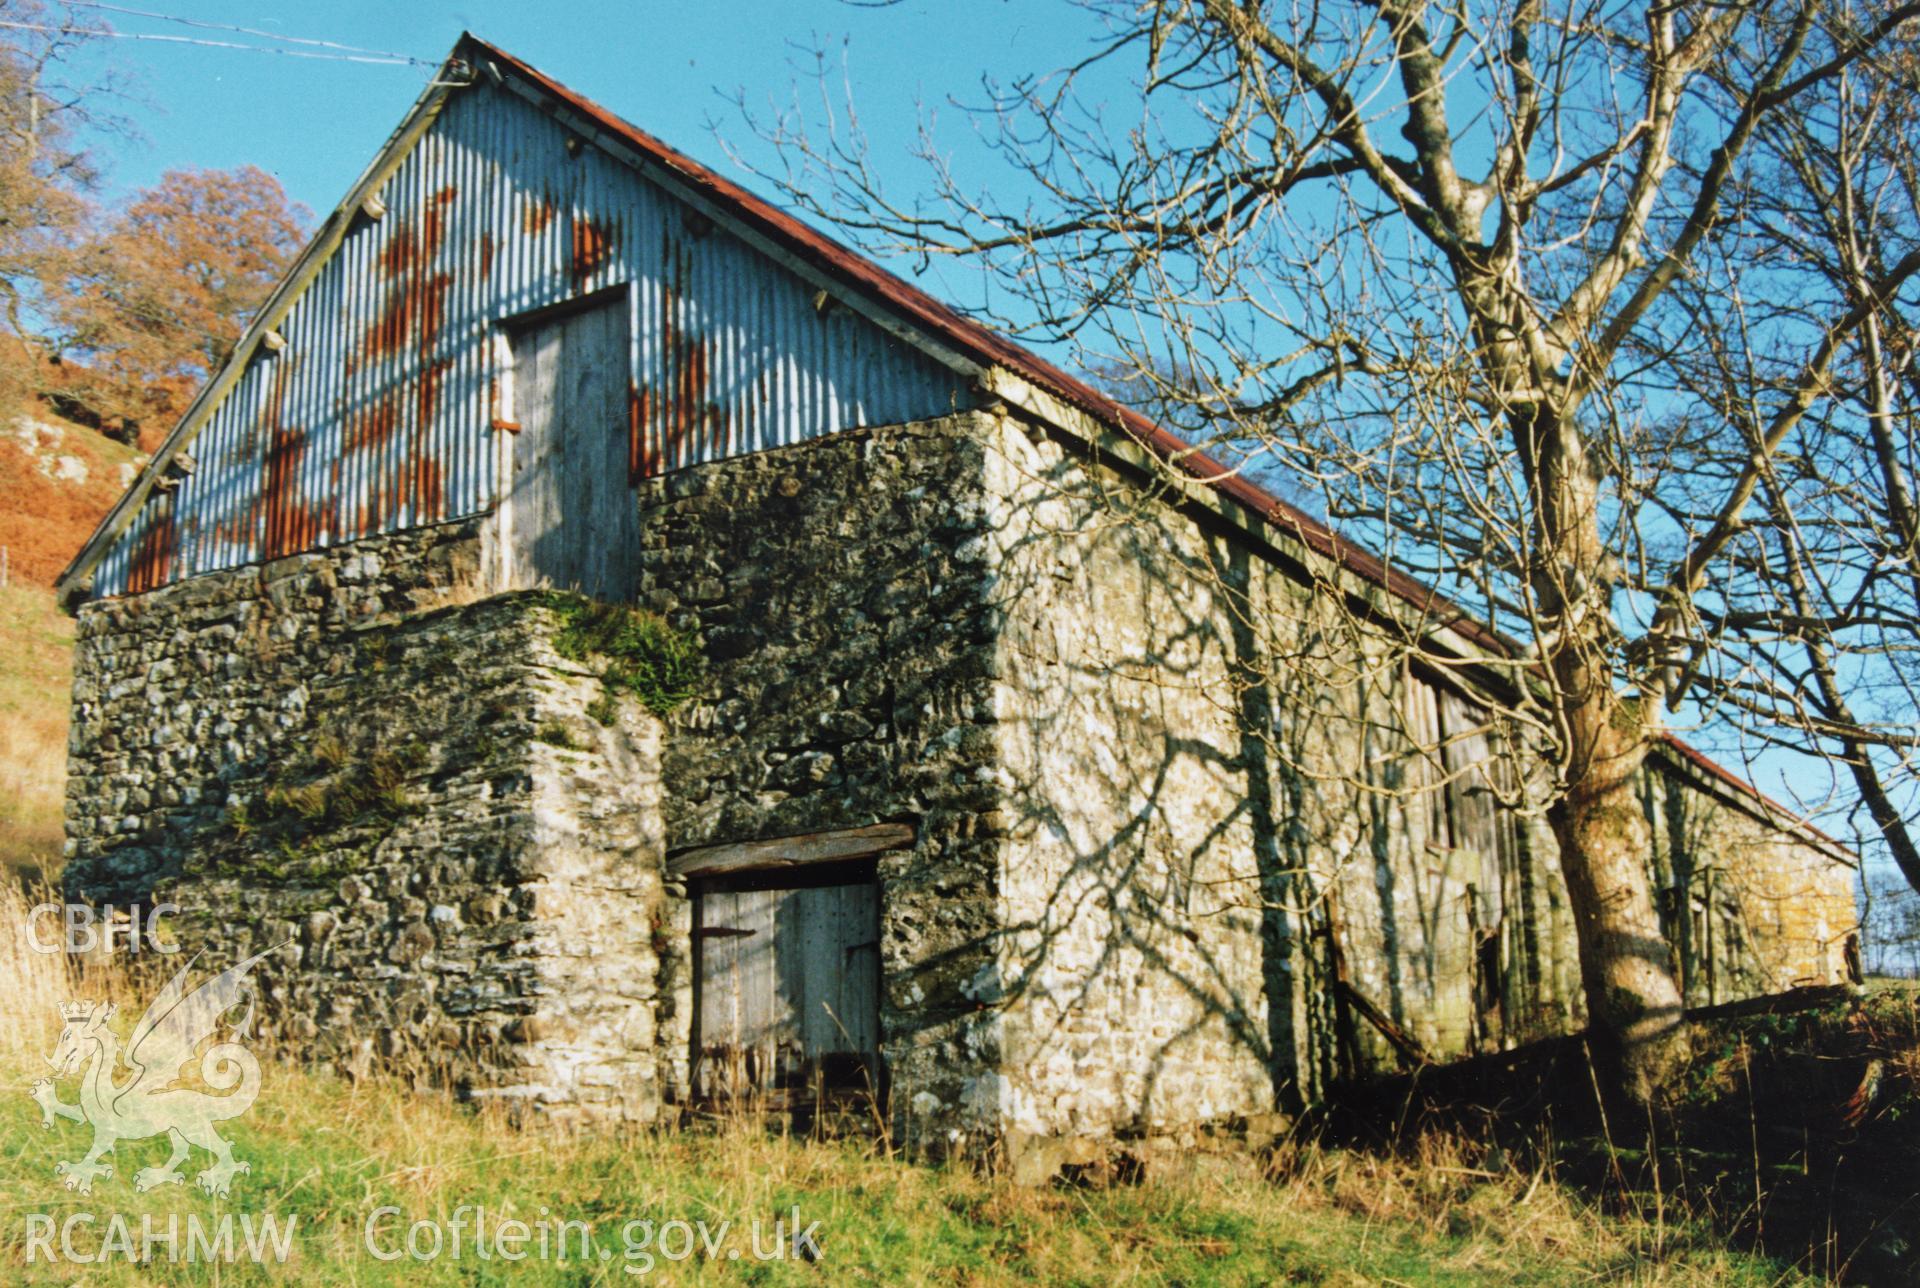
790, 851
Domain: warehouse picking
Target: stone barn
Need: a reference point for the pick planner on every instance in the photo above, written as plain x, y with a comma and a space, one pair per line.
632, 652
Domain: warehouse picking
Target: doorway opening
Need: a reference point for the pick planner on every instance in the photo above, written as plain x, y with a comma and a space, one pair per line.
561, 385
787, 991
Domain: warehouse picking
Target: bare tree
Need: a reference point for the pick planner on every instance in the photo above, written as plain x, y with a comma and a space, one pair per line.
1817, 646
1437, 259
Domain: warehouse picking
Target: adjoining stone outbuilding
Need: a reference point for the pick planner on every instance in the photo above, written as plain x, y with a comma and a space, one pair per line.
1052, 799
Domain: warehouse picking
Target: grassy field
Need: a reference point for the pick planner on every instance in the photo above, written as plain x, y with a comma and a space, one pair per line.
328, 1155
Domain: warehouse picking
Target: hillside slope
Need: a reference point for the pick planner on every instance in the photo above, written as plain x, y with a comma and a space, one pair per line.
56, 480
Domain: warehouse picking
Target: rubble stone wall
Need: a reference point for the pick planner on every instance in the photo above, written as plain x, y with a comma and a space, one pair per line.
352, 759
839, 593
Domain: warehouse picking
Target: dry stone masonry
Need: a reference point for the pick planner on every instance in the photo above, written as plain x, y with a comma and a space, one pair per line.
347, 754
1172, 867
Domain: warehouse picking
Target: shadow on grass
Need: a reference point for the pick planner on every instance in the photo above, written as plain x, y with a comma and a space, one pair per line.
1794, 1132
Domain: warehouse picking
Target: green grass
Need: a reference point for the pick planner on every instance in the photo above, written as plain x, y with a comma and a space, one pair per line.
555, 734
327, 1155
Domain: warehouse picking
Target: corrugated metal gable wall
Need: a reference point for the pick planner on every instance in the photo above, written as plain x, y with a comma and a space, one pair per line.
377, 415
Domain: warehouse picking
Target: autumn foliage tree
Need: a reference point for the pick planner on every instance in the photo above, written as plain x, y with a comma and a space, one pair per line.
114, 313
46, 181
153, 302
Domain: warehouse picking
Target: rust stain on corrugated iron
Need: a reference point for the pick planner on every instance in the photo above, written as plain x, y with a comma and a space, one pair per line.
427, 394
404, 248
433, 224
396, 257
430, 500
292, 523
640, 406
537, 216
433, 310
371, 509
638, 464
486, 256
689, 417
592, 248
415, 307
410, 483
416, 303
692, 415
389, 331
413, 482
374, 425
153, 556
387, 493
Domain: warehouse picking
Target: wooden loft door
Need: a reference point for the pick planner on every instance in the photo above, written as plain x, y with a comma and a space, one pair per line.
571, 520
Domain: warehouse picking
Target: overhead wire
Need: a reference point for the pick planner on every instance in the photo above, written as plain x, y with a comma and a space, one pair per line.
245, 31
395, 60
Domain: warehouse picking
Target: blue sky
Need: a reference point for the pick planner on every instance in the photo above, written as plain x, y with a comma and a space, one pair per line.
669, 68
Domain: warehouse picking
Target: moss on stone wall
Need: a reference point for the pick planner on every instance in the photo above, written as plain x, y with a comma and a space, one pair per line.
639, 652
304, 818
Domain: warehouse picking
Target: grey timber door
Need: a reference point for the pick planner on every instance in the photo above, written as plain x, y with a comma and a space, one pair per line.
572, 521
788, 980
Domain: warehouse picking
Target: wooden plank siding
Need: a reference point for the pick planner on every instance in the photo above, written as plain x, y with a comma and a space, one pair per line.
1478, 908
790, 851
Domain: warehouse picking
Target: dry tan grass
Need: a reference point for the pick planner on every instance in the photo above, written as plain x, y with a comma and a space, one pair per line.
1448, 1187
33, 782
1440, 1213
35, 670
32, 983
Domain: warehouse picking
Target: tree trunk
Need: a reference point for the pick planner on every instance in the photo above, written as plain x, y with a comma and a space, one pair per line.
1634, 1005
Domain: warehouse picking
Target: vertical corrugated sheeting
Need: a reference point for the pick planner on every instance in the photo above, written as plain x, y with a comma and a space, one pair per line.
378, 413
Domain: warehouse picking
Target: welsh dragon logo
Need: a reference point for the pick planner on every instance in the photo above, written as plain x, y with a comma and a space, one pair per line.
148, 1100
